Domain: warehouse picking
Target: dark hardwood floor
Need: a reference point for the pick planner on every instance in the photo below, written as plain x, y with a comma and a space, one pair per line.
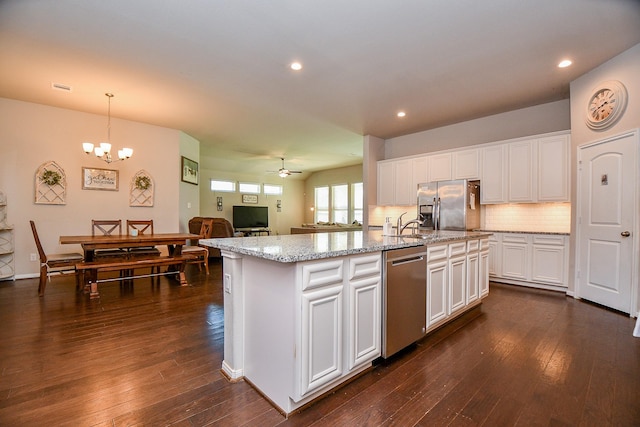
150, 355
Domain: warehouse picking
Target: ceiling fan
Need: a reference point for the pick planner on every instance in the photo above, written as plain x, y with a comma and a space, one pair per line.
284, 172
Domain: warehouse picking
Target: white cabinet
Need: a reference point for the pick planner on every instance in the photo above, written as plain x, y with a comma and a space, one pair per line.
321, 350
495, 254
395, 182
457, 276
549, 260
455, 279
386, 189
515, 256
483, 268
538, 260
494, 174
340, 317
437, 295
554, 169
473, 271
521, 166
364, 310
420, 173
466, 164
402, 183
440, 167
525, 171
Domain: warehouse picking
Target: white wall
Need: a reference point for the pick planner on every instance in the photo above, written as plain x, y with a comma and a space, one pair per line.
626, 69
545, 118
32, 134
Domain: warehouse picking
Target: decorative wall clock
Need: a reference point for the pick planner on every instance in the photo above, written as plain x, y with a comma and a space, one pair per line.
606, 105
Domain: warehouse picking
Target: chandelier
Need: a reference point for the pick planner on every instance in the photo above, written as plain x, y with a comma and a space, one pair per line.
103, 150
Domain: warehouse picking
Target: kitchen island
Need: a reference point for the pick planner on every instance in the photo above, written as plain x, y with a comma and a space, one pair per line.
302, 313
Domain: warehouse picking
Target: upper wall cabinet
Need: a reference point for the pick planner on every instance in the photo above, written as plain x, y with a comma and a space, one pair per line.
466, 164
394, 183
526, 171
554, 169
494, 174
439, 166
522, 164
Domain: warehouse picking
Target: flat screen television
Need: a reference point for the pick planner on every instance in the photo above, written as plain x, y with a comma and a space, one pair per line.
250, 217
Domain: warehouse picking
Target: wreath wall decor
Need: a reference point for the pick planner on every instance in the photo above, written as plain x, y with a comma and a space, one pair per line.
141, 189
50, 185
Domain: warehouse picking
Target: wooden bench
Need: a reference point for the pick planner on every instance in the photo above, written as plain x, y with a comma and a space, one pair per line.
119, 264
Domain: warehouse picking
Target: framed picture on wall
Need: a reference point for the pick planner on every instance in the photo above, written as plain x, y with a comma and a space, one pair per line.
189, 171
99, 179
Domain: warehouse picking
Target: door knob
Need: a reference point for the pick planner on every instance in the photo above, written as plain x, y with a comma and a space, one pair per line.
625, 234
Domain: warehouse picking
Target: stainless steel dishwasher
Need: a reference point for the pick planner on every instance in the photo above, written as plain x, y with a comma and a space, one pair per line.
405, 298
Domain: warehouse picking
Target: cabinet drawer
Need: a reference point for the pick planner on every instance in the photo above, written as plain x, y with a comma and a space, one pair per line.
436, 252
473, 245
363, 266
484, 244
548, 240
515, 238
457, 248
323, 273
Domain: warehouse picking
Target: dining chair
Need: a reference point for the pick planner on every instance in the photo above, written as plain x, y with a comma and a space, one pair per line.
201, 252
107, 227
55, 263
142, 226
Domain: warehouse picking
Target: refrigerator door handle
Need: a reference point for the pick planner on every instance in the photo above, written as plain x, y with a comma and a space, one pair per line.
436, 223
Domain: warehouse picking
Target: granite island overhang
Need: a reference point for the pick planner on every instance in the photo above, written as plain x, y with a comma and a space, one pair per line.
302, 313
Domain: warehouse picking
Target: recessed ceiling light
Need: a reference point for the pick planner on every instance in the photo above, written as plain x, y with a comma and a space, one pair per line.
565, 63
401, 114
296, 66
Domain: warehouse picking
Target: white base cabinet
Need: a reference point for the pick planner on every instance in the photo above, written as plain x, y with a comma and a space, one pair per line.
308, 326
537, 260
457, 279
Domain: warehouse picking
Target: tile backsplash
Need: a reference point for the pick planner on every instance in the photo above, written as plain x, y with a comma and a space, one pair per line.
549, 217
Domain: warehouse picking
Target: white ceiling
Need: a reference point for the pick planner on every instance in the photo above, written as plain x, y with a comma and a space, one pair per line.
218, 69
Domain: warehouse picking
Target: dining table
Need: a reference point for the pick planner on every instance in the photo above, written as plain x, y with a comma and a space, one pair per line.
89, 243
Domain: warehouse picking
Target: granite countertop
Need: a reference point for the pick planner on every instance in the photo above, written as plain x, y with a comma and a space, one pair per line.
306, 247
558, 233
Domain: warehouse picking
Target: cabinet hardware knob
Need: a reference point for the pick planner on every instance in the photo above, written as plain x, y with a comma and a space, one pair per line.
625, 234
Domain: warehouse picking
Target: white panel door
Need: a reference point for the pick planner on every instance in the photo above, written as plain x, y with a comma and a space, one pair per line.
386, 184
607, 178
494, 176
473, 269
457, 283
365, 309
436, 292
321, 352
522, 166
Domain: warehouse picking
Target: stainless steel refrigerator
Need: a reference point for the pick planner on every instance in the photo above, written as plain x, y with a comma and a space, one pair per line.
449, 205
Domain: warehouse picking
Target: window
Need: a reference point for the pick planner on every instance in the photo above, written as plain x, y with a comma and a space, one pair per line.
322, 204
340, 203
228, 186
249, 187
357, 201
271, 189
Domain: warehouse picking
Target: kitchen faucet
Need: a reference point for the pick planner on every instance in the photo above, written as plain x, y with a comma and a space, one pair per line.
400, 227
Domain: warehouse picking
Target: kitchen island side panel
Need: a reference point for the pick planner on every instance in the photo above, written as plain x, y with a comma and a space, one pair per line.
270, 327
